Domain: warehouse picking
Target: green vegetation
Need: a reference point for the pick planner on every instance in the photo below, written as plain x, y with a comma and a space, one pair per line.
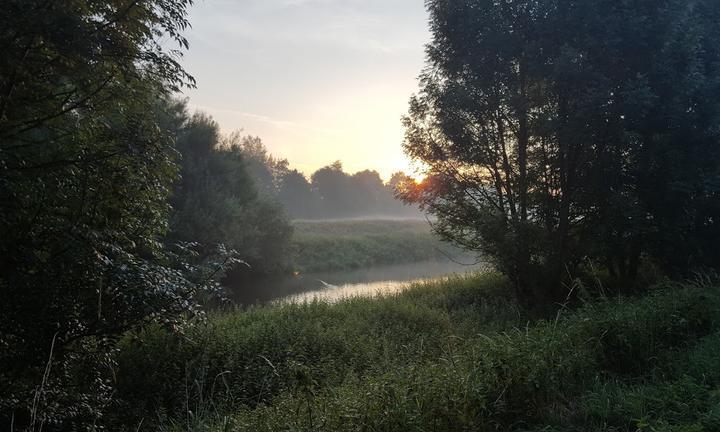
216, 202
560, 131
446, 356
569, 141
86, 172
349, 244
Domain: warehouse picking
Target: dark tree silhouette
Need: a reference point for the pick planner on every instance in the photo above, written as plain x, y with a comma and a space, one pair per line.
556, 132
86, 169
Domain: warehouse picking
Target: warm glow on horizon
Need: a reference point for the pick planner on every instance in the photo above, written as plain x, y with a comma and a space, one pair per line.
316, 80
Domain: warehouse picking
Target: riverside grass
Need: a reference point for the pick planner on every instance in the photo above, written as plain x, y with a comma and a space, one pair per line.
351, 244
451, 355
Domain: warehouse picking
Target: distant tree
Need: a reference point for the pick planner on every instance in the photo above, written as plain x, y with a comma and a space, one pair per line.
217, 200
395, 190
368, 188
332, 193
556, 132
196, 137
399, 181
363, 194
266, 170
297, 195
332, 185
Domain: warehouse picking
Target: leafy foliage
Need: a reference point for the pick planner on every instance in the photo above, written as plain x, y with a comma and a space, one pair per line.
86, 169
556, 132
217, 200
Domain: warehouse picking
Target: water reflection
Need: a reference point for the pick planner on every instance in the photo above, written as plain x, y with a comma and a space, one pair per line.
332, 286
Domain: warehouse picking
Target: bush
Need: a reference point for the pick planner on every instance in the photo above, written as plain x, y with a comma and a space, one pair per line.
425, 359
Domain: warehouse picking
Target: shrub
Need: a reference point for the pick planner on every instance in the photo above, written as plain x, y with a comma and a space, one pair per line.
418, 361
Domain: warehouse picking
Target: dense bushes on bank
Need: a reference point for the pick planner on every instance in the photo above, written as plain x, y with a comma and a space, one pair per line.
458, 355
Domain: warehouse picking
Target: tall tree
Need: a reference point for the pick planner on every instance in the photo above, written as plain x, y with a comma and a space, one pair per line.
545, 123
218, 202
85, 172
478, 126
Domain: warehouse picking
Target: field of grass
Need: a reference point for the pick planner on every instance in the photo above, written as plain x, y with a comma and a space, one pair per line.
445, 356
350, 244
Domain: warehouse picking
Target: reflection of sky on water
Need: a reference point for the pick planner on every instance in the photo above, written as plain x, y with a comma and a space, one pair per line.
333, 286
336, 293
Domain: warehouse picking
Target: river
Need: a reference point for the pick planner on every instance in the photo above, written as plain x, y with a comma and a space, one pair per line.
332, 286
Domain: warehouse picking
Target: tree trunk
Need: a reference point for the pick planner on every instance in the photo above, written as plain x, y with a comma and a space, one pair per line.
559, 254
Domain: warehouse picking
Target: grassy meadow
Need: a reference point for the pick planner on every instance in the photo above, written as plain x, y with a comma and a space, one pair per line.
451, 355
351, 244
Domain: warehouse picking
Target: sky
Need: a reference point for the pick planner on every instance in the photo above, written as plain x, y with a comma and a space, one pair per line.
317, 80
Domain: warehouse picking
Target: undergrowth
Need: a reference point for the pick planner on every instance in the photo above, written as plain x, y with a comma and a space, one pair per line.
454, 355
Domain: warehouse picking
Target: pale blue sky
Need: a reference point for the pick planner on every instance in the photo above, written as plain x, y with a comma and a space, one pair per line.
317, 80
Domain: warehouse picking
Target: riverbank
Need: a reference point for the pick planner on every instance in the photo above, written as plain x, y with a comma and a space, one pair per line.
338, 284
452, 355
352, 244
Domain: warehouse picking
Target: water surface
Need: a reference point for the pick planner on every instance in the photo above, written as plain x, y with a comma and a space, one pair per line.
332, 286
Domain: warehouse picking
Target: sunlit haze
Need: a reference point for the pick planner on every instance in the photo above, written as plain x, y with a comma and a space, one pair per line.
317, 80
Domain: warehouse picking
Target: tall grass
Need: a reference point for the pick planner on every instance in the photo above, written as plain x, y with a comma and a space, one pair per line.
340, 245
455, 355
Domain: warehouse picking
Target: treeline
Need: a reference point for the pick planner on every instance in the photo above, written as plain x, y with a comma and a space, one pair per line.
329, 193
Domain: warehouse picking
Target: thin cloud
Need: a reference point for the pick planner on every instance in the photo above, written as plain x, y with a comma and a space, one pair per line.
320, 23
280, 124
